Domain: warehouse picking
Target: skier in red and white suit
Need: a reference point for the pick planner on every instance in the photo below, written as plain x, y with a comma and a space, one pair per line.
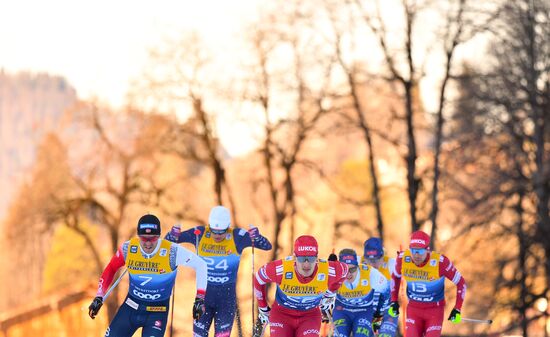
425, 273
305, 284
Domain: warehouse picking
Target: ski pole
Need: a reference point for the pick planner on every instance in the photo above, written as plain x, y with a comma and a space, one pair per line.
114, 285
253, 297
173, 300
473, 320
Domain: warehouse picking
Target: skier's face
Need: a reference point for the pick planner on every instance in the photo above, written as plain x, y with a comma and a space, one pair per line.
305, 265
374, 262
148, 242
352, 272
419, 255
218, 235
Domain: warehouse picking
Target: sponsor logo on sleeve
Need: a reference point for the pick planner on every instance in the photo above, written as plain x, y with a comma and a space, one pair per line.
288, 275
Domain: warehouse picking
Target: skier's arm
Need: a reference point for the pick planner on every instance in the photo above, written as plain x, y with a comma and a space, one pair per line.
117, 262
395, 282
185, 257
189, 235
340, 271
270, 272
243, 239
447, 269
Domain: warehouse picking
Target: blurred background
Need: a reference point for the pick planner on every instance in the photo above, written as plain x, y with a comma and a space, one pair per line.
341, 119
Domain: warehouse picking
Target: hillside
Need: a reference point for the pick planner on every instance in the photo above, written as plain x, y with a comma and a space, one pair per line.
30, 105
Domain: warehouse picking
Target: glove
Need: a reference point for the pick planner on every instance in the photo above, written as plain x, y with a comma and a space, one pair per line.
327, 304
174, 234
94, 307
198, 308
332, 257
393, 310
263, 315
254, 233
455, 316
377, 321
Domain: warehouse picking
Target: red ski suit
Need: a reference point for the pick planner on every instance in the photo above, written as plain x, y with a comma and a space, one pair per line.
295, 311
426, 291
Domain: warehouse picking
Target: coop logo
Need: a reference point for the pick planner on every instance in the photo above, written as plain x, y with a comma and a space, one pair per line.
276, 325
218, 279
146, 296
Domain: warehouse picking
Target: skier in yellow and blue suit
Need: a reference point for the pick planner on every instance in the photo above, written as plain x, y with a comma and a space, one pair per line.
221, 248
373, 255
357, 299
152, 265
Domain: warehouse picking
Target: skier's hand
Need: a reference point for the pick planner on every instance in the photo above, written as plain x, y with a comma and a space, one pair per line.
198, 307
455, 316
393, 310
253, 232
263, 315
377, 321
327, 303
174, 234
94, 307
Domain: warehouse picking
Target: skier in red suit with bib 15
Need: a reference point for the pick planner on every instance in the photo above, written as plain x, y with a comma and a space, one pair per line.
305, 284
425, 272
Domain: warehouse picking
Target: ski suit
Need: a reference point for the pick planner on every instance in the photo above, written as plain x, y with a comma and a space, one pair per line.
356, 303
295, 311
223, 260
426, 291
152, 278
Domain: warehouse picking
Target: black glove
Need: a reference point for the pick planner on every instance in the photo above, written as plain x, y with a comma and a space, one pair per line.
332, 257
455, 316
377, 321
198, 308
394, 309
94, 307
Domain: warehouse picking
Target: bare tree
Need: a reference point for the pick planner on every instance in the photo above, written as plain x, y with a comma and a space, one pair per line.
183, 77
289, 84
506, 104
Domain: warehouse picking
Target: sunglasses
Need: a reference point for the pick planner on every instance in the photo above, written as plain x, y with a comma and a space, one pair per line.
218, 231
149, 238
309, 259
418, 251
373, 259
352, 269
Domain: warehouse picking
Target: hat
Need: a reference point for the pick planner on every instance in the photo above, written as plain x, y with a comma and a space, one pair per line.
219, 218
148, 225
419, 239
305, 245
348, 256
373, 248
